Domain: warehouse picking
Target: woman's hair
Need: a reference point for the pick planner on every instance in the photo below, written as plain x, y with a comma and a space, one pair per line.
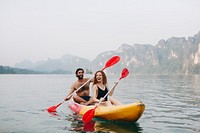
103, 75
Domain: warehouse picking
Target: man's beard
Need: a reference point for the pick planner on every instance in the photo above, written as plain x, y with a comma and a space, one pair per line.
79, 76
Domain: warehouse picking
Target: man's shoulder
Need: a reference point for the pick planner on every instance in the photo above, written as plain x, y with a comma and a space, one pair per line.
73, 84
86, 78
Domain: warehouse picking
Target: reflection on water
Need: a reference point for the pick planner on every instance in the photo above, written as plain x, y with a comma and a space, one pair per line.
100, 125
118, 127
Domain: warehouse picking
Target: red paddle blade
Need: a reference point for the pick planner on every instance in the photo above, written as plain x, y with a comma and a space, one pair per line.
53, 108
87, 117
124, 73
112, 61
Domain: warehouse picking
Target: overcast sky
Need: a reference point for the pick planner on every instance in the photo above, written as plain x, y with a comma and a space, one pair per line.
37, 29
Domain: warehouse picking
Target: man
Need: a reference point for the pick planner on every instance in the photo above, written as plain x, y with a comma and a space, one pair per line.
82, 94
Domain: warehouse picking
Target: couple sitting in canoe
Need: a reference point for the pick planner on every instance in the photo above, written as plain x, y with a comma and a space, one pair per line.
99, 89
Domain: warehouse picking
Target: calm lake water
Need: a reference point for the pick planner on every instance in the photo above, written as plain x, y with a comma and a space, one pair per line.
172, 104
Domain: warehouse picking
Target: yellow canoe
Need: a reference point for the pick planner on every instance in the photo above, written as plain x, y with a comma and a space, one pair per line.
127, 112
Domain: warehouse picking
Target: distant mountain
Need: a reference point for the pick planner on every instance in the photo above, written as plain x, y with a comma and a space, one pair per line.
66, 62
11, 70
176, 55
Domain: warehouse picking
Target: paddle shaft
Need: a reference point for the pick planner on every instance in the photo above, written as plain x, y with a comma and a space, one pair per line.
109, 63
124, 73
90, 113
107, 93
81, 86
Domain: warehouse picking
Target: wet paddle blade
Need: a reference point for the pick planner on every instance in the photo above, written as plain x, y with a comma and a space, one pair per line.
53, 108
109, 63
87, 117
112, 62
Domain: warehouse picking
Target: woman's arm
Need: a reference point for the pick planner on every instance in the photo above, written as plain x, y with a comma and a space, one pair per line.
112, 91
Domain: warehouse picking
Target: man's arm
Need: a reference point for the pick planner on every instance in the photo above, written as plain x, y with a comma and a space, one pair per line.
70, 92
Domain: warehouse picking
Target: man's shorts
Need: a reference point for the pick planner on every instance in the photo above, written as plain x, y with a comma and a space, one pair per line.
86, 98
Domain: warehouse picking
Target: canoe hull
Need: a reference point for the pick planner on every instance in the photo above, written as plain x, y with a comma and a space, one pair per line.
128, 112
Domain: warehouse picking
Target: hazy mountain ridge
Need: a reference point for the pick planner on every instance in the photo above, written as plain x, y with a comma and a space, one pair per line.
176, 55
13, 70
66, 62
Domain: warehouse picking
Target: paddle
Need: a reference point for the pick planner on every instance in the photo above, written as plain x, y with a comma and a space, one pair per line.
112, 61
90, 113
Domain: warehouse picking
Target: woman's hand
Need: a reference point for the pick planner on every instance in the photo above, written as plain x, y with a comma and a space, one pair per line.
115, 83
102, 99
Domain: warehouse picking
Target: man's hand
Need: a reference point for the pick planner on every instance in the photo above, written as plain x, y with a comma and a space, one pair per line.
67, 98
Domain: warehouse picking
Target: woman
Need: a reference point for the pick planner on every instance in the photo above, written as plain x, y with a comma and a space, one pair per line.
100, 89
